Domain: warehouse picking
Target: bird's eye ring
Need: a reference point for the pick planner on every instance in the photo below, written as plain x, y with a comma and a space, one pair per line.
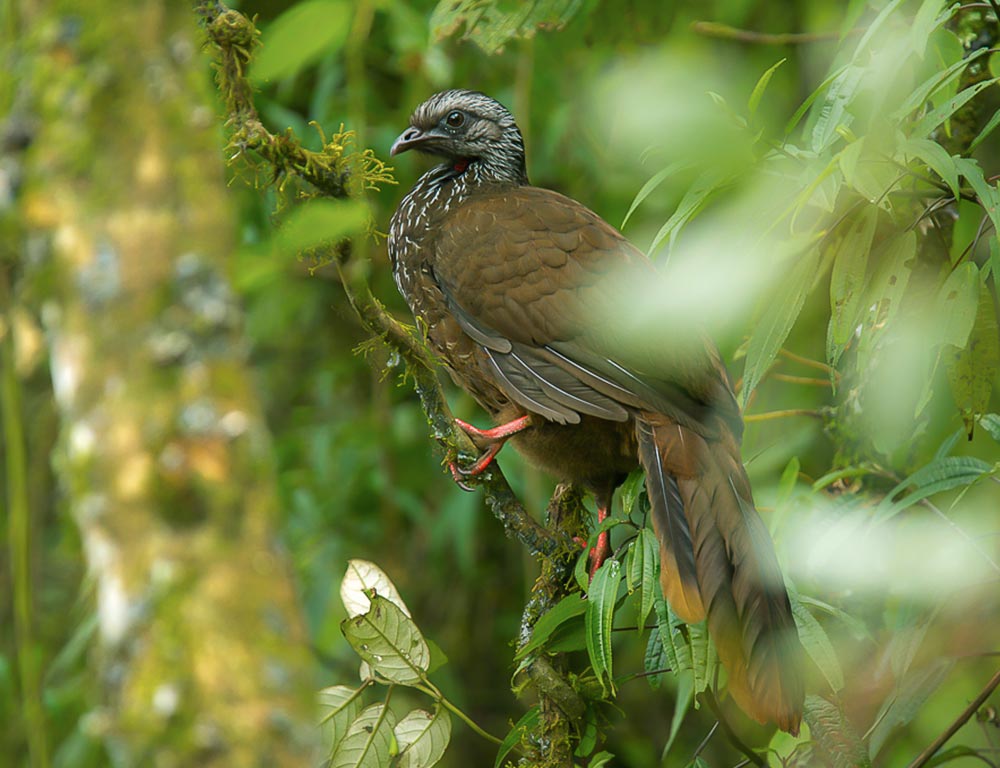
455, 119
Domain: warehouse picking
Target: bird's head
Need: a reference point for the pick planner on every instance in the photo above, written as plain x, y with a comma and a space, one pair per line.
467, 127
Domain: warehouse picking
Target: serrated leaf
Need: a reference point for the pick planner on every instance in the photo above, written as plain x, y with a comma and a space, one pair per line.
665, 631
935, 117
682, 703
991, 423
642, 570
599, 618
704, 660
903, 705
834, 735
956, 306
363, 577
760, 87
973, 369
389, 641
942, 474
654, 660
569, 607
318, 222
368, 742
777, 321
300, 36
422, 737
847, 280
340, 705
832, 112
817, 644
528, 722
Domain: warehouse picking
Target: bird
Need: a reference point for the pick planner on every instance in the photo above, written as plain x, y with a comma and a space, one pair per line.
517, 289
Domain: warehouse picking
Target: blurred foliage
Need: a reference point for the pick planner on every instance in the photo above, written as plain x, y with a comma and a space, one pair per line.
818, 181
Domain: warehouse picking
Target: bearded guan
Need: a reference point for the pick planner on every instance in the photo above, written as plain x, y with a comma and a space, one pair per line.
518, 289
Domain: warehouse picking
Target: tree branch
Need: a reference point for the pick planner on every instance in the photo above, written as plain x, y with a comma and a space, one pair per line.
959, 721
234, 37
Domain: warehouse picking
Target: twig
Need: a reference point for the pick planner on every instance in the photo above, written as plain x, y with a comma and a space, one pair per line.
804, 380
771, 415
704, 742
808, 362
957, 723
726, 32
730, 734
234, 37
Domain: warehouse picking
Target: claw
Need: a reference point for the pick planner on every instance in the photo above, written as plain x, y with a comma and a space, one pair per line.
494, 440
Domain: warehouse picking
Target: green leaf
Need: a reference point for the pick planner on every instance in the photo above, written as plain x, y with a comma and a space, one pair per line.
988, 195
951, 754
692, 202
834, 735
599, 618
528, 722
973, 369
704, 660
932, 84
875, 26
682, 703
655, 660
847, 281
600, 759
804, 106
569, 607
389, 641
935, 157
988, 129
817, 644
991, 423
760, 87
422, 737
777, 321
341, 705
866, 173
957, 305
925, 22
942, 474
321, 222
833, 113
641, 569
300, 36
904, 704
648, 188
368, 742
632, 489
491, 25
935, 117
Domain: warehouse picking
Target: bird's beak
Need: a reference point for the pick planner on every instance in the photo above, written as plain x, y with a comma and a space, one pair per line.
408, 139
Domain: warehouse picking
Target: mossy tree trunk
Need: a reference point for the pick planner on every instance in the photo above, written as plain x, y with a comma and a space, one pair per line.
164, 460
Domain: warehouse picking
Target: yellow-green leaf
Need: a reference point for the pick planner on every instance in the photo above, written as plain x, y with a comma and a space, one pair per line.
973, 369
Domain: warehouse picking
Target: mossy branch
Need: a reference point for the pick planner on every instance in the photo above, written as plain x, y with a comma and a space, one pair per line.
335, 173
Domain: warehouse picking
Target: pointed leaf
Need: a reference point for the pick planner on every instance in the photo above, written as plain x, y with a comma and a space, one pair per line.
817, 644
648, 188
935, 157
655, 660
368, 742
834, 735
758, 90
642, 570
599, 618
956, 305
972, 370
361, 579
847, 281
939, 475
682, 703
528, 722
568, 608
777, 321
422, 737
341, 705
389, 641
935, 117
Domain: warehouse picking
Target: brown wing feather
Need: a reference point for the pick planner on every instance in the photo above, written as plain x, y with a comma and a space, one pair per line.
557, 277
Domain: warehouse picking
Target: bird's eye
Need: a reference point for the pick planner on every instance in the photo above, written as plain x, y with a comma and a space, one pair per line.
455, 118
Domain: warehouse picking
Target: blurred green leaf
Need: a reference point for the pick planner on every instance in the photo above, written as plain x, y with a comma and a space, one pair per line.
692, 202
301, 35
369, 741
973, 369
957, 305
817, 644
775, 324
939, 475
600, 760
832, 113
491, 26
760, 87
991, 423
682, 703
389, 641
834, 735
321, 222
654, 660
599, 618
422, 737
935, 117
650, 186
935, 157
847, 281
901, 706
987, 193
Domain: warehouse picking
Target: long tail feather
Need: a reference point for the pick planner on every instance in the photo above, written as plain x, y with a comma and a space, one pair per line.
710, 523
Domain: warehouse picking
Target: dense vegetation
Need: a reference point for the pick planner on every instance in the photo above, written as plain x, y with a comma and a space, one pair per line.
817, 181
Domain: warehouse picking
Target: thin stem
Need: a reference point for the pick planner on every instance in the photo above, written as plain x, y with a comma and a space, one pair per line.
804, 380
19, 541
704, 742
726, 32
469, 721
731, 736
771, 415
957, 723
806, 361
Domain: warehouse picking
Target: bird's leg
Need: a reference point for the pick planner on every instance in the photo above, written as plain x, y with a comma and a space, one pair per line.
491, 440
600, 552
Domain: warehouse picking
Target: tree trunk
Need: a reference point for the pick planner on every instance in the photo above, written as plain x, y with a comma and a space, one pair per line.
164, 460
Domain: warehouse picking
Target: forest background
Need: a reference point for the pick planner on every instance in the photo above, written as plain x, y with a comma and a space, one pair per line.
200, 433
